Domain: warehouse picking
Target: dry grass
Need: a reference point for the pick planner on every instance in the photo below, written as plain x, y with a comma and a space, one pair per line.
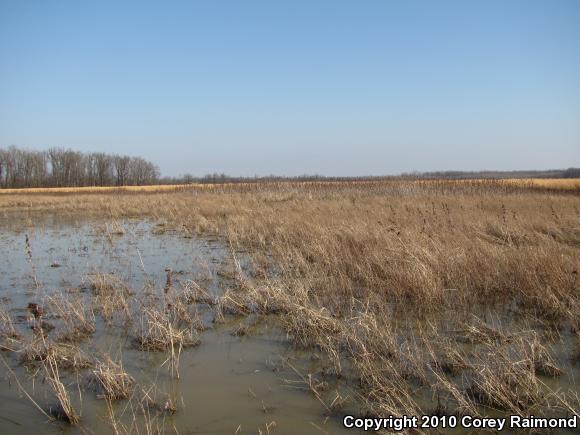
561, 184
64, 410
76, 316
502, 384
392, 281
157, 331
168, 325
110, 295
9, 336
66, 356
550, 183
110, 381
96, 189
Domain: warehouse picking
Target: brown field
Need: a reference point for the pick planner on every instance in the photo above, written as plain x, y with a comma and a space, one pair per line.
561, 184
549, 183
446, 297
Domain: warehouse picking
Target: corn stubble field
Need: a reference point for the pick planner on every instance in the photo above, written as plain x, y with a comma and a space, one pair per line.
426, 297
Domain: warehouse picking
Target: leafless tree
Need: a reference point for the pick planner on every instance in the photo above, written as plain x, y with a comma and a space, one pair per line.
104, 168
64, 167
121, 165
141, 171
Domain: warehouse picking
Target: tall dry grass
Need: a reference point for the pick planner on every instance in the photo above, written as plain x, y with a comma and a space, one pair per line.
424, 293
515, 184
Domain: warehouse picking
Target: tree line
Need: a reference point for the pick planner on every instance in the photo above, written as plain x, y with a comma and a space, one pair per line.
442, 175
59, 167
470, 175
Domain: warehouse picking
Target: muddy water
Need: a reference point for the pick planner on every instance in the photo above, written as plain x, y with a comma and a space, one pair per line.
227, 384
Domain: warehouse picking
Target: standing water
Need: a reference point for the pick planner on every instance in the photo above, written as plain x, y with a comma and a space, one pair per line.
240, 377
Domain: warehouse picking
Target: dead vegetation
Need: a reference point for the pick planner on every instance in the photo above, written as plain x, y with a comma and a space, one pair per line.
167, 325
157, 331
64, 410
431, 297
37, 350
77, 320
111, 295
9, 336
110, 381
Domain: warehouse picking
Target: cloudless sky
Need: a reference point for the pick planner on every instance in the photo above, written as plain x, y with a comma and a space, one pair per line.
272, 87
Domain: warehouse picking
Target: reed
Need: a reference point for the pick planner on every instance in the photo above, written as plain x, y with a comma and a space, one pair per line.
9, 336
110, 381
66, 356
111, 296
64, 410
76, 316
166, 327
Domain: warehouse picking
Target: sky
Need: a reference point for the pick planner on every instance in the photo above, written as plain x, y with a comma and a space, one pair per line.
296, 87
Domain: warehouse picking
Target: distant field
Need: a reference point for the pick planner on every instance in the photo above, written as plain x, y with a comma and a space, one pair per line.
99, 189
550, 183
563, 184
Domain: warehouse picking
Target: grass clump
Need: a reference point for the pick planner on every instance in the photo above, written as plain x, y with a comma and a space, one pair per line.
110, 381
64, 409
66, 356
75, 315
157, 331
110, 295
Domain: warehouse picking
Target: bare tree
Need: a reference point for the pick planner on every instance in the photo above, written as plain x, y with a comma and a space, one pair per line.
64, 167
104, 168
121, 165
12, 176
141, 171
2, 167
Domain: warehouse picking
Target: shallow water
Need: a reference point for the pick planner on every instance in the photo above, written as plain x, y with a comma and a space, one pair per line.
226, 384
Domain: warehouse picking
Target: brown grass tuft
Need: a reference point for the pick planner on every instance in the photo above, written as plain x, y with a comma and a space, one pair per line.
110, 381
64, 410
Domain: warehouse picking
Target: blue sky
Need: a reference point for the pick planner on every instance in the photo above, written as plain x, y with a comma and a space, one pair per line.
328, 87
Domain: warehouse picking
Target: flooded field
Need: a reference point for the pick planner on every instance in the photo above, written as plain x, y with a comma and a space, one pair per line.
283, 311
238, 375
